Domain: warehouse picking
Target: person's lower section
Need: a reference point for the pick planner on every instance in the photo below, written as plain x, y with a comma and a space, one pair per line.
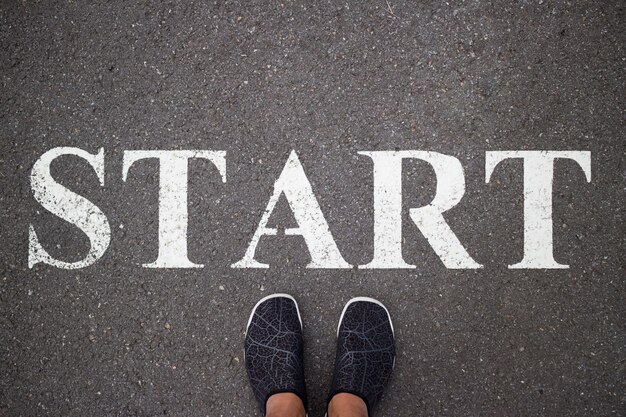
274, 359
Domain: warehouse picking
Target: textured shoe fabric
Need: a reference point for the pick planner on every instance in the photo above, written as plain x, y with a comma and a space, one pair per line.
365, 351
274, 349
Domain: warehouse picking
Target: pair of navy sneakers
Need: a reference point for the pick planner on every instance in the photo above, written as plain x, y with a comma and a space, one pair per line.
274, 356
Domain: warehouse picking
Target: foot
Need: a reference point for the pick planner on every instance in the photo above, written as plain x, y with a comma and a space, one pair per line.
274, 349
365, 351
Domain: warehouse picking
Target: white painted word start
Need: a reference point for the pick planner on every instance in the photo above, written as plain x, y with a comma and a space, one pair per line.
312, 226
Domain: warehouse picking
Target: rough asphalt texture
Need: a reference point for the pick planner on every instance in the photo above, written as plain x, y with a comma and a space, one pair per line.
258, 79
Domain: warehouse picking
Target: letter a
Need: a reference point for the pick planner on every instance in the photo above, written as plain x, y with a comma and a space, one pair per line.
312, 225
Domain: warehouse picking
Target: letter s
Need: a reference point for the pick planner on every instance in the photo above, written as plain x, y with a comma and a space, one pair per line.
69, 206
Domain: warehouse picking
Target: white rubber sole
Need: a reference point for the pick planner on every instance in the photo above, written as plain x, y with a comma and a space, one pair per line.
369, 300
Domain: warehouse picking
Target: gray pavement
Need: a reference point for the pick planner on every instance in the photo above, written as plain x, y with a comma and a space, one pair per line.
258, 79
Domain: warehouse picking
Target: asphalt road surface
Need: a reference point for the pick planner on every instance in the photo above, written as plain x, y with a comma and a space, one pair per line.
330, 79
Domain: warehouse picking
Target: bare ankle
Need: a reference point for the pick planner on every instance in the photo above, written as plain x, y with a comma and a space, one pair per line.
284, 404
347, 405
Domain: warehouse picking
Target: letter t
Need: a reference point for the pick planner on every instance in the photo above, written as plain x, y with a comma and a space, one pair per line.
173, 200
538, 177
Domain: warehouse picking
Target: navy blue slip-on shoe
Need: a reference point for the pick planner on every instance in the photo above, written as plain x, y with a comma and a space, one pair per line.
273, 349
366, 351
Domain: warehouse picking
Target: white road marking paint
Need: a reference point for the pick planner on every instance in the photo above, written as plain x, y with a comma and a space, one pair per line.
429, 219
69, 206
538, 178
173, 216
312, 226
